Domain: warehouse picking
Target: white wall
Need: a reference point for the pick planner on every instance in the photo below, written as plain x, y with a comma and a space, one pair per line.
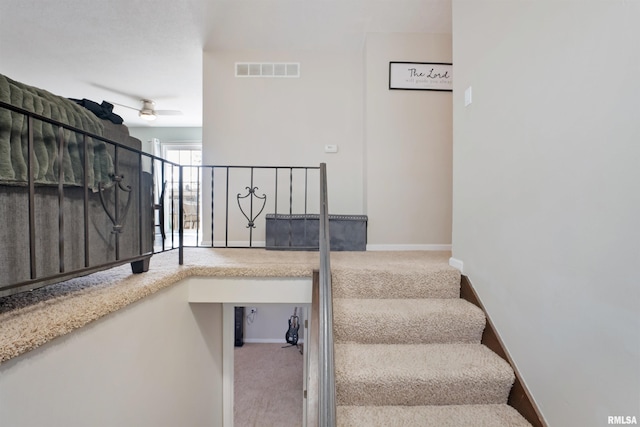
155, 363
167, 134
408, 145
271, 322
394, 158
546, 201
288, 121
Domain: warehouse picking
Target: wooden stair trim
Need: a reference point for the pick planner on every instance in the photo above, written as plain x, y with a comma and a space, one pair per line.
519, 397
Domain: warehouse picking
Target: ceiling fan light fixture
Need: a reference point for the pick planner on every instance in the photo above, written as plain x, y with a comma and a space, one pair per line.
147, 115
147, 111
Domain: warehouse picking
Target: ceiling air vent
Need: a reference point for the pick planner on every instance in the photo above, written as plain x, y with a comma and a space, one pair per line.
268, 69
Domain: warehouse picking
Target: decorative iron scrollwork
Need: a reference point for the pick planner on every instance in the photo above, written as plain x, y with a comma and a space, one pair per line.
117, 218
251, 192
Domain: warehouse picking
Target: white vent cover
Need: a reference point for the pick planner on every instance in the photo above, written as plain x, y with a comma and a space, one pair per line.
268, 69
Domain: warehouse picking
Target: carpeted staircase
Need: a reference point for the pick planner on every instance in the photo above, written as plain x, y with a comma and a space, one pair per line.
408, 352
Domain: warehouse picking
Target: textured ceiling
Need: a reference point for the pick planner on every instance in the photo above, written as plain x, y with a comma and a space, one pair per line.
125, 50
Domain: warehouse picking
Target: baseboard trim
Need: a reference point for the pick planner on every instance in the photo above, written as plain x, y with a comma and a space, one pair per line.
519, 397
457, 264
233, 243
268, 341
409, 248
381, 247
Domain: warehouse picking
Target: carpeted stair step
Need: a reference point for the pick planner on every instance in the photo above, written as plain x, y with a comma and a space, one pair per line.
500, 415
430, 281
420, 375
404, 321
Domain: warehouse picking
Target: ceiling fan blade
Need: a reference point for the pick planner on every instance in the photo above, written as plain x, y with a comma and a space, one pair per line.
125, 106
168, 112
116, 91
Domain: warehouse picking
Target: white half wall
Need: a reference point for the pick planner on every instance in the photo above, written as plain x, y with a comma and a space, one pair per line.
546, 202
155, 363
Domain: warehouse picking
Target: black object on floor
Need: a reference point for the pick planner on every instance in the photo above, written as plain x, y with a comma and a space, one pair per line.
239, 326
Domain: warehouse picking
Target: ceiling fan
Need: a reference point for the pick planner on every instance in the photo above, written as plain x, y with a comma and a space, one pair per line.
149, 112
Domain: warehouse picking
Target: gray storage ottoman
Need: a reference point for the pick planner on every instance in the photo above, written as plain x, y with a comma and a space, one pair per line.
301, 232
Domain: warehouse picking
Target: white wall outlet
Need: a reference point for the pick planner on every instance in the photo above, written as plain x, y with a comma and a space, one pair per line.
331, 148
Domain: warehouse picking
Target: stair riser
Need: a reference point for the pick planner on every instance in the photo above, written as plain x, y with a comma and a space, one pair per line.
420, 374
417, 321
430, 416
408, 393
383, 284
443, 329
389, 334
386, 288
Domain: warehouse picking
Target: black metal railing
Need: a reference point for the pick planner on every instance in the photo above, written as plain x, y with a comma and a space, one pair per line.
223, 206
73, 202
243, 201
109, 203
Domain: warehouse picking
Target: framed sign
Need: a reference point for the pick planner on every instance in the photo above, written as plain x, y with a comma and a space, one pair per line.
421, 76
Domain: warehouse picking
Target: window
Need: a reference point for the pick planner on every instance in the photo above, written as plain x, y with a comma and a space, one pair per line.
185, 155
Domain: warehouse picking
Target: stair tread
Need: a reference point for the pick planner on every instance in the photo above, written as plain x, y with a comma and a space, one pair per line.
494, 415
407, 321
420, 374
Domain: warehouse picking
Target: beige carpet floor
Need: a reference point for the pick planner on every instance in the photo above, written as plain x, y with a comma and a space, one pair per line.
31, 319
408, 352
267, 385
